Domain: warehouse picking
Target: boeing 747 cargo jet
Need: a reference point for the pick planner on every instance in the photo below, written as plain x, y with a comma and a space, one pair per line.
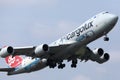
71, 47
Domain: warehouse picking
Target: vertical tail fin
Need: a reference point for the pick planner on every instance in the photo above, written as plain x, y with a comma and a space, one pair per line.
13, 62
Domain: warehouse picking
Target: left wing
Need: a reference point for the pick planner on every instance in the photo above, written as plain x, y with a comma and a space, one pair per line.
9, 50
34, 51
28, 51
40, 51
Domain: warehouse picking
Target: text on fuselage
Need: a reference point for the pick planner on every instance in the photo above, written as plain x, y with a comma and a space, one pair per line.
80, 30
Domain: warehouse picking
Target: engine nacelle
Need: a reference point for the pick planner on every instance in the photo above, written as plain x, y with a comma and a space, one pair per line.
6, 51
40, 50
98, 51
106, 57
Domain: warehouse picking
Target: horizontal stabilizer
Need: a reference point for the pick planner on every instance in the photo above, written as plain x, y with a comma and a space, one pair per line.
7, 69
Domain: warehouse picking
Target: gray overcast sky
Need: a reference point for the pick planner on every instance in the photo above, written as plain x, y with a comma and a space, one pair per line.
34, 22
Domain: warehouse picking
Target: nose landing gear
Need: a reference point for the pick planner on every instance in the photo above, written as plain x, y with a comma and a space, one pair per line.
106, 38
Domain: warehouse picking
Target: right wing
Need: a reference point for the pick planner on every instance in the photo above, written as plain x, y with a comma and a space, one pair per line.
97, 55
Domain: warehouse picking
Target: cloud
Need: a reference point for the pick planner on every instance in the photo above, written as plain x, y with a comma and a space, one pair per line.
81, 77
27, 2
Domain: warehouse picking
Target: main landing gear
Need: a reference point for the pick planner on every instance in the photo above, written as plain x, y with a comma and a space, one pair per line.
61, 66
74, 63
53, 64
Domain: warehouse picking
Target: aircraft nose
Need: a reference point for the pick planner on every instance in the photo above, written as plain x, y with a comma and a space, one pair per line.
111, 20
114, 19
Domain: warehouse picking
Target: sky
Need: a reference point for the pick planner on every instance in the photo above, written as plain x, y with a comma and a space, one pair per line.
35, 22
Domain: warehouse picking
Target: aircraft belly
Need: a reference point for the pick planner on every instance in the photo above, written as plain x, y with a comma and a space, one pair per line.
30, 68
67, 52
74, 49
39, 66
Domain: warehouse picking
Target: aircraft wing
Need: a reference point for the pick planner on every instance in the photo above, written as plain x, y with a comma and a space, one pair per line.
32, 51
94, 55
28, 51
7, 69
45, 51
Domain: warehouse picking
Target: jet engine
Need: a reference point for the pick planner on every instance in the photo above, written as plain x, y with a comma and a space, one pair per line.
98, 51
6, 51
40, 50
100, 56
106, 57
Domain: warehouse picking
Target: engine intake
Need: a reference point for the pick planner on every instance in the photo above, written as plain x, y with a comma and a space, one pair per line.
99, 52
106, 56
40, 50
6, 51
45, 47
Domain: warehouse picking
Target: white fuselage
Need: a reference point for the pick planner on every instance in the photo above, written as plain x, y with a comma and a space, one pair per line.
28, 65
89, 31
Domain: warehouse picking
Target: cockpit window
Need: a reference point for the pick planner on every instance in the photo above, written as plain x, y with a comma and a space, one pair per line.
94, 17
105, 12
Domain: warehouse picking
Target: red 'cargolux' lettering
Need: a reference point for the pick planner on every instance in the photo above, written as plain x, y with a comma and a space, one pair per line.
13, 61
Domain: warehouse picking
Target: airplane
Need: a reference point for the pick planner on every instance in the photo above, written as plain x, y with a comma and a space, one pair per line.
71, 47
